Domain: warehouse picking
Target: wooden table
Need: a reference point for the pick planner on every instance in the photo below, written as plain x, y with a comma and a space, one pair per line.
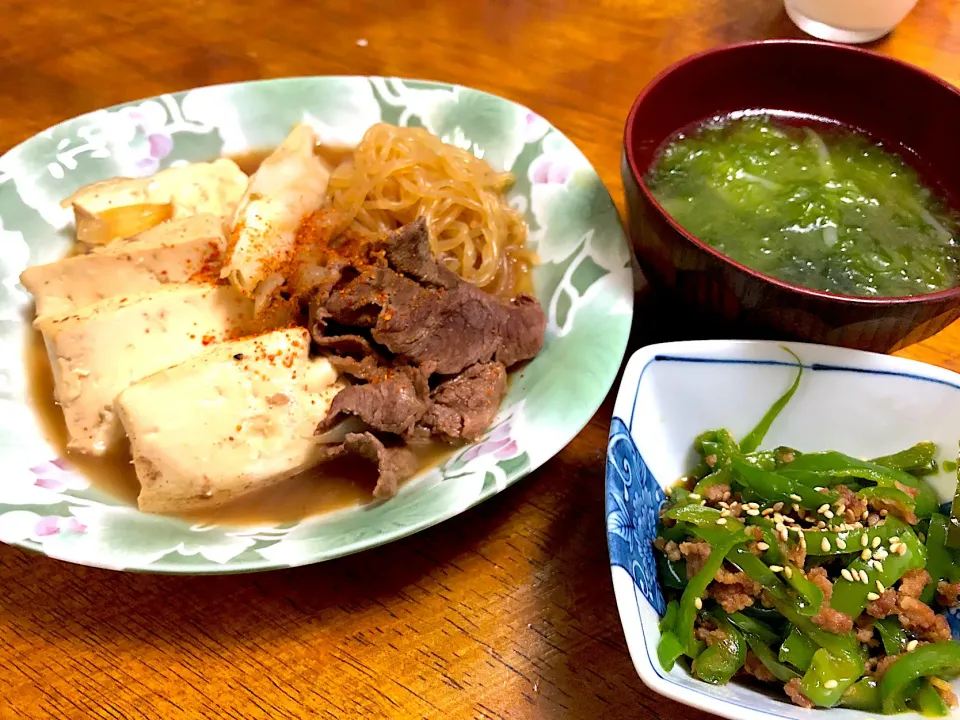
506, 611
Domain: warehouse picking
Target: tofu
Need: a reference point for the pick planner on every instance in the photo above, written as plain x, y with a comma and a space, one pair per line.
120, 207
103, 348
171, 252
235, 419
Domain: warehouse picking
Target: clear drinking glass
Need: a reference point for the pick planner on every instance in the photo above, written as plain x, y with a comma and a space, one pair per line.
848, 21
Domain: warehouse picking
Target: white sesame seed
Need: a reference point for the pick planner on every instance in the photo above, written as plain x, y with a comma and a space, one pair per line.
880, 554
819, 489
864, 540
767, 512
866, 554
789, 521
796, 508
841, 509
794, 496
876, 542
695, 496
871, 596
821, 525
878, 565
752, 506
788, 572
781, 527
880, 586
865, 515
884, 513
724, 513
753, 512
722, 521
825, 545
828, 515
846, 575
776, 568
823, 508
803, 543
784, 535
863, 577
778, 507
830, 684
725, 506
912, 645
871, 564
762, 546
703, 502
895, 540
698, 603
841, 544
901, 549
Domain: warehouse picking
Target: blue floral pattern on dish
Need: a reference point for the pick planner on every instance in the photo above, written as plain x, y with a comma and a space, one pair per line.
633, 503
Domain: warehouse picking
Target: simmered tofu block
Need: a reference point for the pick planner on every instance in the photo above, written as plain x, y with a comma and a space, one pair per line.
237, 418
172, 252
121, 207
103, 348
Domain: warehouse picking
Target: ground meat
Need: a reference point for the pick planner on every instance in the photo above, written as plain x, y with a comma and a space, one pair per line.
883, 664
797, 555
829, 619
886, 605
865, 630
715, 493
919, 618
668, 548
792, 689
913, 583
734, 591
894, 508
948, 593
753, 666
854, 505
709, 633
945, 690
696, 554
754, 532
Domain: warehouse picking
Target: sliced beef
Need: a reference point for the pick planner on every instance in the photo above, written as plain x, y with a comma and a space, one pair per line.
408, 252
354, 346
465, 406
394, 402
459, 327
395, 463
367, 369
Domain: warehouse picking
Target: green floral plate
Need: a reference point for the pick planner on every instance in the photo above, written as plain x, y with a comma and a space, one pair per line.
584, 282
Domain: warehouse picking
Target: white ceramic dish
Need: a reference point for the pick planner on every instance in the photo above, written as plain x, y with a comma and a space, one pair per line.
860, 403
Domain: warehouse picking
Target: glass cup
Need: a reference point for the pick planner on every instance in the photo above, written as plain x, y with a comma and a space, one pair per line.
847, 21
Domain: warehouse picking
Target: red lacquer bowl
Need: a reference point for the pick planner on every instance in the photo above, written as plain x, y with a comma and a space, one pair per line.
891, 100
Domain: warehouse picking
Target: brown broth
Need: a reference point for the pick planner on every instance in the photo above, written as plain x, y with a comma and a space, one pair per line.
333, 486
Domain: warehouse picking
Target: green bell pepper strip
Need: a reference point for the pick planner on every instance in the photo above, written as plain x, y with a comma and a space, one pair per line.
720, 476
927, 701
668, 650
797, 650
917, 460
775, 487
811, 595
773, 555
694, 514
829, 676
824, 468
766, 656
850, 598
721, 661
755, 568
939, 559
893, 636
862, 695
839, 644
953, 531
713, 442
678, 533
673, 574
889, 494
941, 659
767, 615
752, 439
753, 627
697, 586
669, 619
763, 459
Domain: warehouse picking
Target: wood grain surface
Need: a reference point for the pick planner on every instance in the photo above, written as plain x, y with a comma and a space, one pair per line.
504, 612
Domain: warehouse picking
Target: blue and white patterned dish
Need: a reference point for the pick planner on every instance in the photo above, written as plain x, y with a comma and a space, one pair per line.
860, 403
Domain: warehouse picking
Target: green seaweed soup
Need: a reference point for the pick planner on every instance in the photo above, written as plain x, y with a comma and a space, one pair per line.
809, 202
